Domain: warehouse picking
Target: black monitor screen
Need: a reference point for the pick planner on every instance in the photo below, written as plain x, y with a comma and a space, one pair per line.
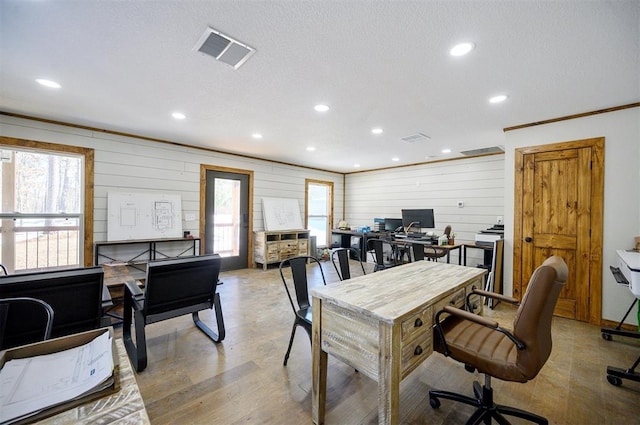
422, 218
391, 224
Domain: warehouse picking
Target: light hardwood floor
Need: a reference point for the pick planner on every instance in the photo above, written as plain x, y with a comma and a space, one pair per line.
191, 380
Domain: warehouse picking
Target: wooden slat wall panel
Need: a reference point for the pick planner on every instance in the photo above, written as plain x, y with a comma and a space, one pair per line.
479, 182
128, 164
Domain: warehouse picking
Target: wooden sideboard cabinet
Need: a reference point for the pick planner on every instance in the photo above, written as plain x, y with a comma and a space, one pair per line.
273, 247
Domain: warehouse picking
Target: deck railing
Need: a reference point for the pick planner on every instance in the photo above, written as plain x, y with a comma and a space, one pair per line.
34, 242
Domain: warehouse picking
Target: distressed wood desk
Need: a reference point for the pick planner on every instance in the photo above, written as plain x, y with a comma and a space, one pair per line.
382, 325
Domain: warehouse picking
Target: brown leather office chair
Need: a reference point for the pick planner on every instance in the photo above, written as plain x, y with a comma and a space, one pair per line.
518, 355
434, 252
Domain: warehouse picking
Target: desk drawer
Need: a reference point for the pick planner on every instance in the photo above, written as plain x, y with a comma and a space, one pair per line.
455, 300
416, 324
476, 301
416, 350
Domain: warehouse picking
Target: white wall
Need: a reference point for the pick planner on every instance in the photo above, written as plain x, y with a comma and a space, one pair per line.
621, 130
478, 182
129, 164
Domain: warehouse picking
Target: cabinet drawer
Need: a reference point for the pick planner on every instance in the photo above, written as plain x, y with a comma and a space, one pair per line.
455, 300
302, 245
272, 247
416, 324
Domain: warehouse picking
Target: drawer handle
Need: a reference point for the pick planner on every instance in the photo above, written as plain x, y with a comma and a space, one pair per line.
418, 323
452, 302
417, 351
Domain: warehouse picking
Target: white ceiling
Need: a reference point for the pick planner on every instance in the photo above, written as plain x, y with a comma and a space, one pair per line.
127, 65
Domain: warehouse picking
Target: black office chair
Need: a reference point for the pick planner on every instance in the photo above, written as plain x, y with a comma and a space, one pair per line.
342, 256
172, 288
24, 320
3, 270
76, 296
382, 260
302, 306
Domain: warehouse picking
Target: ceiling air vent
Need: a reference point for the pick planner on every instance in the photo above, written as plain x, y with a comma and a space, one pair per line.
223, 48
483, 151
419, 137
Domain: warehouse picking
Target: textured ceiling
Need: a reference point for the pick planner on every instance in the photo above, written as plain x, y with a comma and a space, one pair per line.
127, 65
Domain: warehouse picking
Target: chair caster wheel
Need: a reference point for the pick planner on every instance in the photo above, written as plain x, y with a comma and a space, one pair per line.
469, 368
614, 380
434, 402
606, 337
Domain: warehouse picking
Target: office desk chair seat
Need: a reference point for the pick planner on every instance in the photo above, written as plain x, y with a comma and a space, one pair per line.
518, 355
300, 290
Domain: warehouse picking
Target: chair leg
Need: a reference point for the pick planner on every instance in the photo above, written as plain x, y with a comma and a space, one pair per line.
293, 333
137, 352
215, 337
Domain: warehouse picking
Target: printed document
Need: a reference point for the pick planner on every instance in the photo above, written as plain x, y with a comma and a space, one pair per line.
32, 384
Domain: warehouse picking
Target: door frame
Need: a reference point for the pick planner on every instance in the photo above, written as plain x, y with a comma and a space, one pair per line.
597, 208
203, 185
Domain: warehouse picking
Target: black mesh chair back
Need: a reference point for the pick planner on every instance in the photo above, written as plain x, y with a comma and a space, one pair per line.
24, 320
74, 294
418, 251
340, 260
300, 292
379, 254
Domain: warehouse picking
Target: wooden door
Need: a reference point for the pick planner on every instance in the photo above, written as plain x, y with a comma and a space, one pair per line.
559, 193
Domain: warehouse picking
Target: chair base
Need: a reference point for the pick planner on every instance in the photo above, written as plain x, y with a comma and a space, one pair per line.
137, 351
486, 409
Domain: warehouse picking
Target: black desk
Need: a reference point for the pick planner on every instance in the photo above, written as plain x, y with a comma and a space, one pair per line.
345, 239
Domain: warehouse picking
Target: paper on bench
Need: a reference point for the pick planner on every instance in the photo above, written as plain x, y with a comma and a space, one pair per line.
31, 384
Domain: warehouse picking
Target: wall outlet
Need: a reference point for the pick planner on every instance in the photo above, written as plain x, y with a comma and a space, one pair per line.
460, 204
189, 217
499, 219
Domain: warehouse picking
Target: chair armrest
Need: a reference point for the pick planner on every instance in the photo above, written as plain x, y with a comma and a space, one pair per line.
481, 320
500, 297
134, 289
466, 315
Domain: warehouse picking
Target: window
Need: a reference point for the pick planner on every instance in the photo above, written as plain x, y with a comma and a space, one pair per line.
42, 203
319, 209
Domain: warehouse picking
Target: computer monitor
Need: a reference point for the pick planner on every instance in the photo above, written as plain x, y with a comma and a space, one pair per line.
391, 224
421, 218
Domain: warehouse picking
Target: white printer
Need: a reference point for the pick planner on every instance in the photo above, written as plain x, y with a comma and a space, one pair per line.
629, 265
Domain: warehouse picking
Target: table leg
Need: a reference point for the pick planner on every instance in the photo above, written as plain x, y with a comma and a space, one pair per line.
319, 367
389, 375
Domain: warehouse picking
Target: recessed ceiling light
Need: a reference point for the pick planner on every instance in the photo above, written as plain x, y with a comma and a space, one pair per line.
311, 148
356, 165
48, 83
446, 150
256, 136
395, 159
178, 115
461, 49
321, 108
498, 99
376, 130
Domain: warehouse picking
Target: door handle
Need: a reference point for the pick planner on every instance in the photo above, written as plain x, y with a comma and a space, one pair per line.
528, 239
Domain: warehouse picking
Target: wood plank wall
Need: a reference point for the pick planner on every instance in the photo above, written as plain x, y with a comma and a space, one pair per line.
477, 181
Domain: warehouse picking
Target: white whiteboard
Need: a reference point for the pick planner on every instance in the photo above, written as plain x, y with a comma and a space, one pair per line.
139, 215
281, 214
